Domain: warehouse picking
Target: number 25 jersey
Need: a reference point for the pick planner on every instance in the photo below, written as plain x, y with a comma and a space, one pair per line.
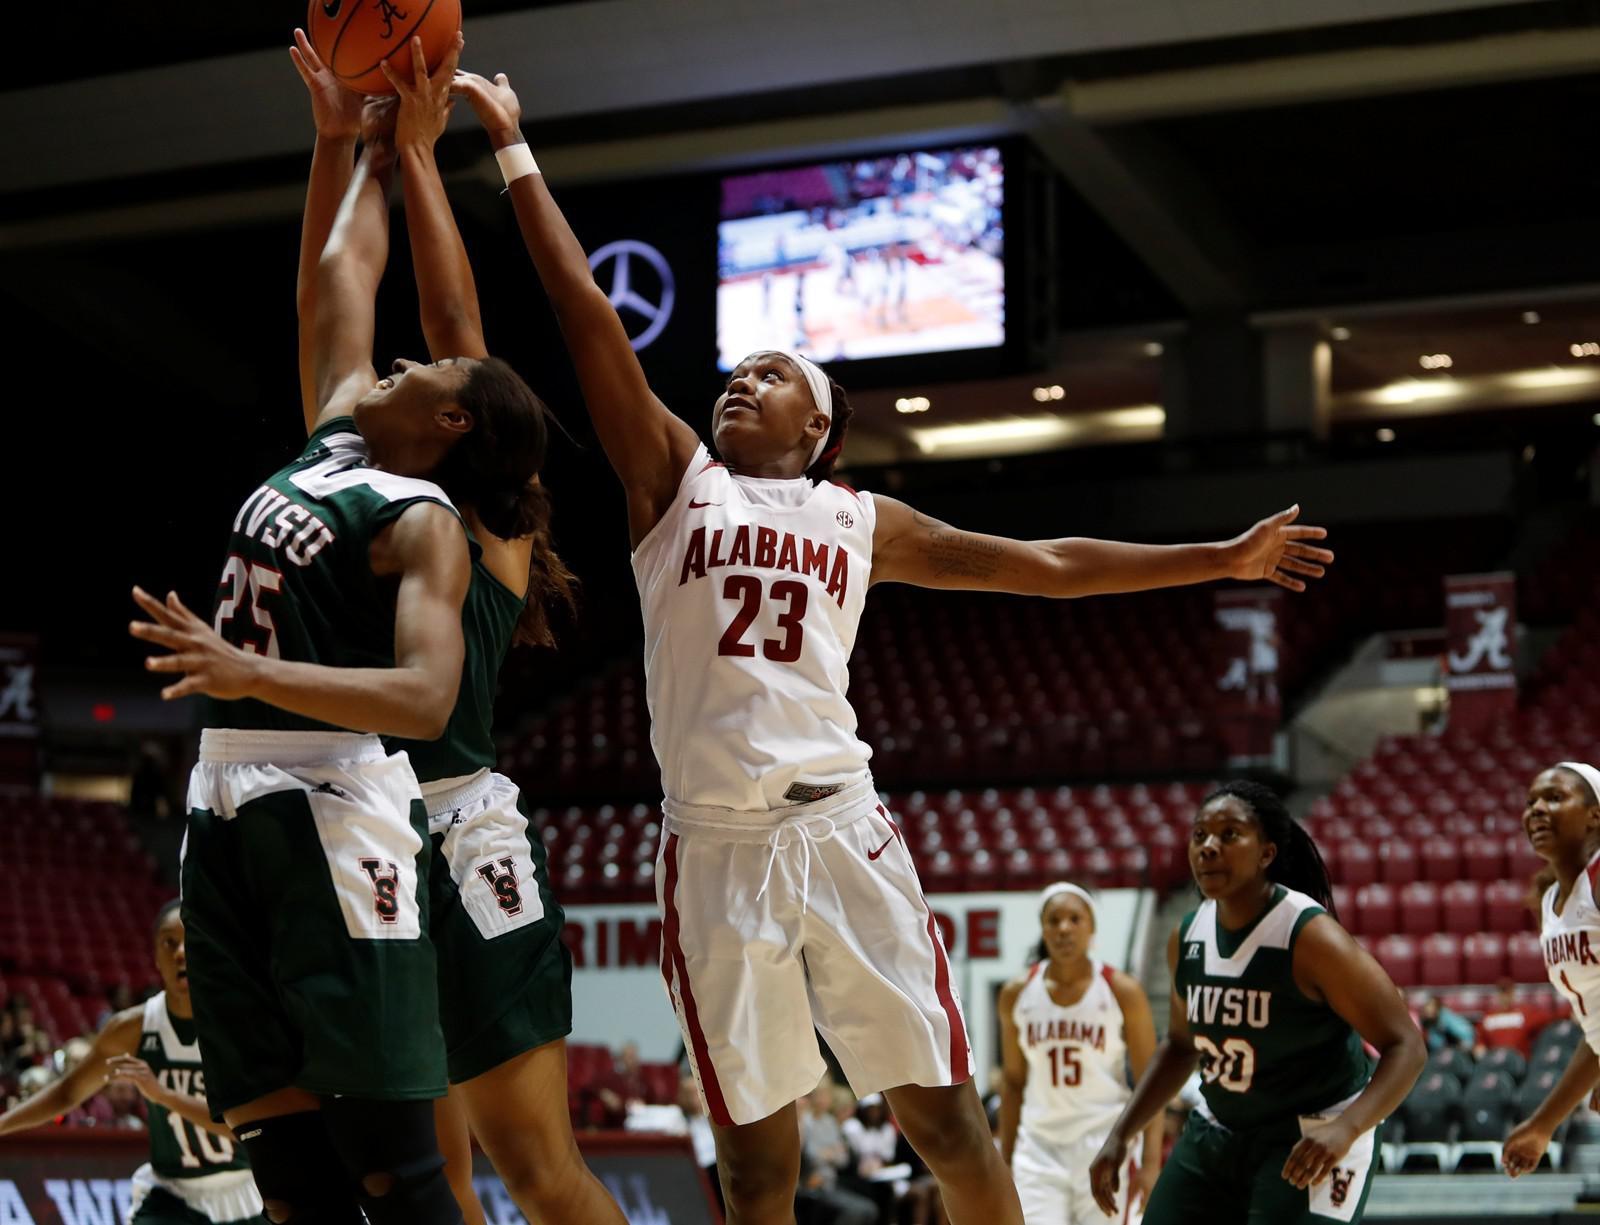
752, 591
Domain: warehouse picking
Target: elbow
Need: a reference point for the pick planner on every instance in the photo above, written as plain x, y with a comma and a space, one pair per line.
431, 713
1408, 1049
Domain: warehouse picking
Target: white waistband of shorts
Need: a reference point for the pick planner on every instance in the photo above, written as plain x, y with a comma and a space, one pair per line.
223, 744
445, 795
850, 802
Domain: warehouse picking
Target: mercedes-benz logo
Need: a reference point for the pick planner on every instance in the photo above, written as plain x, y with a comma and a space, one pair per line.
624, 297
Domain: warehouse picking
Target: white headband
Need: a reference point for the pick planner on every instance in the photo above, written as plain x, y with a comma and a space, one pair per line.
1587, 773
1063, 886
821, 395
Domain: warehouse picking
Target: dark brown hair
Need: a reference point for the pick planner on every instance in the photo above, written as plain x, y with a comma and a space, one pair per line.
822, 470
494, 469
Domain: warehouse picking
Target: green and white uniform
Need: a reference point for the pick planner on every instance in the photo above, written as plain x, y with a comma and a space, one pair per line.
306, 860
505, 976
1271, 1061
192, 1176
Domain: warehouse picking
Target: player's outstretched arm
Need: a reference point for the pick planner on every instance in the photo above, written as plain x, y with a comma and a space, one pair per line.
1170, 1067
446, 293
336, 112
1013, 1068
426, 549
119, 1037
348, 272
648, 446
135, 1070
1328, 964
911, 547
1528, 1139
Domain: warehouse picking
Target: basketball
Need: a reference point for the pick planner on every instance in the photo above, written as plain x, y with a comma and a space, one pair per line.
355, 37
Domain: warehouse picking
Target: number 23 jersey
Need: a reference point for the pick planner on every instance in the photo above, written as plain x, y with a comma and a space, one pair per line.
1268, 1054
752, 591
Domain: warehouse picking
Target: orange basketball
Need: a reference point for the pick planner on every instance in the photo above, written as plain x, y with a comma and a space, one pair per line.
354, 37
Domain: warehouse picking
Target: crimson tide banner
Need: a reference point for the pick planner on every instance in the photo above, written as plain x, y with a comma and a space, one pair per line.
1480, 663
1249, 706
19, 709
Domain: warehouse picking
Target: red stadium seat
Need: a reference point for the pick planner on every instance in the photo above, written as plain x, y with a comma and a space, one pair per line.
1398, 955
1358, 864
1441, 960
1419, 908
1462, 907
1376, 912
1441, 860
1505, 906
1483, 859
1483, 957
1525, 957
1397, 862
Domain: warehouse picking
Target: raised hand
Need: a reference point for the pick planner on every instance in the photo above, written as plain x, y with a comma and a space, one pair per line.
211, 665
336, 110
1275, 550
425, 101
494, 102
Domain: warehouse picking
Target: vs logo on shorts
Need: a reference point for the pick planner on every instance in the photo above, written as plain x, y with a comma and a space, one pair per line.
385, 878
506, 894
1339, 1191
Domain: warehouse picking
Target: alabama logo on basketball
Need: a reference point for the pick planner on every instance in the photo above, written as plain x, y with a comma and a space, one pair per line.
506, 894
1339, 1191
385, 878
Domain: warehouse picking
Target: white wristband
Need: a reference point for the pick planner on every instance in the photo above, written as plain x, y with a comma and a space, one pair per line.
516, 161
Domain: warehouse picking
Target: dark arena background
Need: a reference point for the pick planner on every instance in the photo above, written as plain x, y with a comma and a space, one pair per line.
1140, 269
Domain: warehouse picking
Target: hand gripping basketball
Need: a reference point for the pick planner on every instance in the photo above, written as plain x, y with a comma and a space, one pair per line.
355, 39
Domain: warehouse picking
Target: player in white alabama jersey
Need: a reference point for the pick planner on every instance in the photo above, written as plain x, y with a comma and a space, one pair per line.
790, 903
1562, 821
1072, 1029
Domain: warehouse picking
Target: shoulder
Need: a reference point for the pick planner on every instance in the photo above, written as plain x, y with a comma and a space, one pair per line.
1012, 991
424, 536
1125, 987
120, 1035
1319, 937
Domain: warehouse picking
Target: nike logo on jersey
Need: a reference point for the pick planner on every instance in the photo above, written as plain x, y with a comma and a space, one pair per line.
881, 849
693, 505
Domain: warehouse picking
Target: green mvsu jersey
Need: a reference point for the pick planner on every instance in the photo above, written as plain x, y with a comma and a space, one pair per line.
488, 625
1267, 1053
298, 583
179, 1149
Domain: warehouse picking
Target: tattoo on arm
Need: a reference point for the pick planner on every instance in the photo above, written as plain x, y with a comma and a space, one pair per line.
955, 554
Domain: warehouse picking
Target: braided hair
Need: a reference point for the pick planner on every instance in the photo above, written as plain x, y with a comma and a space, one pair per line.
1298, 864
822, 470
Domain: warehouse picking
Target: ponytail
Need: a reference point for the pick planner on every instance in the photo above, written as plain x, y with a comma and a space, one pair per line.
822, 470
551, 585
1298, 864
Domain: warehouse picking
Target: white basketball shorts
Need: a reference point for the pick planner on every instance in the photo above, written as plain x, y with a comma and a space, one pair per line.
812, 921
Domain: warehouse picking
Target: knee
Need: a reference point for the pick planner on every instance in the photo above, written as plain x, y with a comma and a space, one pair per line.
540, 1180
953, 1145
753, 1180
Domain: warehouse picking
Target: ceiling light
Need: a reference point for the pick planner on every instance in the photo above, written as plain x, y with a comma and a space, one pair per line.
1530, 316
1528, 452
1057, 391
1551, 376
1596, 418
1385, 435
1154, 348
1339, 333
1409, 391
1588, 348
912, 404
1435, 361
1041, 394
981, 433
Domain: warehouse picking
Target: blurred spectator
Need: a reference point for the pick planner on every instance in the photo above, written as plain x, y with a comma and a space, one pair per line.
624, 1085
1508, 1022
1442, 1027
823, 1155
126, 1102
120, 1000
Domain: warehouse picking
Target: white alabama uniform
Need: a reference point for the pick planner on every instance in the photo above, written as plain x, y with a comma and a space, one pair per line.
1077, 1086
787, 893
1571, 943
